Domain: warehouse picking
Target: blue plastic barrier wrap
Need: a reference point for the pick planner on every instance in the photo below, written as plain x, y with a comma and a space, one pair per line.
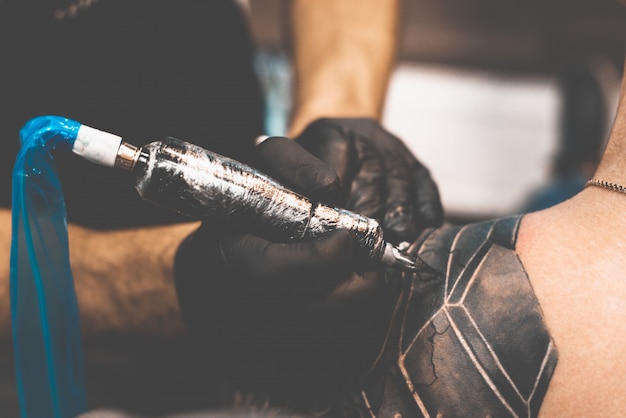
44, 309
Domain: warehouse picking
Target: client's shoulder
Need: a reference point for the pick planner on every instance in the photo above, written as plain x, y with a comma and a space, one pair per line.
470, 341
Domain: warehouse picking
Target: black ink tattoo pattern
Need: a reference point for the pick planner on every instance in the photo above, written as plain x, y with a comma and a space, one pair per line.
469, 343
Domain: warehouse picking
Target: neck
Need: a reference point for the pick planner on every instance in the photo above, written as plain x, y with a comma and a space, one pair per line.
596, 208
612, 167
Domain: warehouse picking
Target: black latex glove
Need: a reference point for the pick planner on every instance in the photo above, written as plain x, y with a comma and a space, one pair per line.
283, 317
296, 319
380, 177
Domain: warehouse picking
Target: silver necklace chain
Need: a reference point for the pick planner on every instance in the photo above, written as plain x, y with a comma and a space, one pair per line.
607, 185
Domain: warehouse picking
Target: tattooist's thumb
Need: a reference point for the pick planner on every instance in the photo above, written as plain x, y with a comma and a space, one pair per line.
289, 163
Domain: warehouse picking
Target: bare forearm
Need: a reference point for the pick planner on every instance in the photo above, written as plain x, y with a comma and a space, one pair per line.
123, 279
5, 251
343, 52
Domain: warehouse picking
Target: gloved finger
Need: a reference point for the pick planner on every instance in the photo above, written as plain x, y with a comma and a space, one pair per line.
429, 210
367, 189
397, 162
302, 269
332, 144
413, 203
412, 200
289, 163
398, 221
388, 177
387, 144
200, 283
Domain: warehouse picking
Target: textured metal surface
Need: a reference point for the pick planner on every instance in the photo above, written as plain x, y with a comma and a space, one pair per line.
127, 156
205, 185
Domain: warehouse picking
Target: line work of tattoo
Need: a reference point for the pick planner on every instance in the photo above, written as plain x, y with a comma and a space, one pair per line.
471, 342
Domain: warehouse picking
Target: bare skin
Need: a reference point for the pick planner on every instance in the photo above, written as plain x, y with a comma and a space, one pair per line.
126, 290
573, 254
344, 50
5, 254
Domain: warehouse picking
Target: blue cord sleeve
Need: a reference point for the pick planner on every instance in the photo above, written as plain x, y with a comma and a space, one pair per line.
44, 309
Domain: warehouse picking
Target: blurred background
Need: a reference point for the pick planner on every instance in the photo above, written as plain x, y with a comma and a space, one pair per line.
482, 94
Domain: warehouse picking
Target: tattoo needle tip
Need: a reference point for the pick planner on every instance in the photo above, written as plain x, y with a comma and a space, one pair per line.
394, 257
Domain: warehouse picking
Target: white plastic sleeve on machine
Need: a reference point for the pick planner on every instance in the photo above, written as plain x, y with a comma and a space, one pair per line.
97, 146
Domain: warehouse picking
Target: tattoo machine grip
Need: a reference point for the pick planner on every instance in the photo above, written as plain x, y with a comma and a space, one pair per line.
204, 185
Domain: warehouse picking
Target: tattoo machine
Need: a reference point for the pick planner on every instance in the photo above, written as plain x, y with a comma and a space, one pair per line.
204, 185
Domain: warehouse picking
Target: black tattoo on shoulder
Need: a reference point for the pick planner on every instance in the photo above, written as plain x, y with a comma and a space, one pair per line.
471, 342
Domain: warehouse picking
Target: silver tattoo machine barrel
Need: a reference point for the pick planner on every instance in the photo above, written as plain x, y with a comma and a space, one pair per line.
205, 185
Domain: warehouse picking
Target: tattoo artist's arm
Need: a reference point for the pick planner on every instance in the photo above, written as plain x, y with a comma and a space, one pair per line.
123, 279
343, 52
5, 252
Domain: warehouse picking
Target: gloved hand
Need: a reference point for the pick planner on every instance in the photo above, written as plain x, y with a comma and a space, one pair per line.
380, 177
285, 313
